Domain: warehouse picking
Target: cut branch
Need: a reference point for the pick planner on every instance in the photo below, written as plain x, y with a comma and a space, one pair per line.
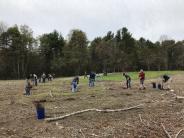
166, 132
179, 133
82, 133
50, 93
140, 118
93, 109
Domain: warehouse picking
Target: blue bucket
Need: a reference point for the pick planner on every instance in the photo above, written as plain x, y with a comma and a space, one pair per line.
40, 113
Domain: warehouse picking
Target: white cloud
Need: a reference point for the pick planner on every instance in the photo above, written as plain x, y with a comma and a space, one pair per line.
147, 18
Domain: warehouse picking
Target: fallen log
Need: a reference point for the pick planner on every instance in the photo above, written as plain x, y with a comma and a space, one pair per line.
93, 109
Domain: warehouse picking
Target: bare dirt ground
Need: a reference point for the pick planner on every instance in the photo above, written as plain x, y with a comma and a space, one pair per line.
18, 116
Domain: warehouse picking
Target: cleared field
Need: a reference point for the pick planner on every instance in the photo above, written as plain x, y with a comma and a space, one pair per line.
18, 116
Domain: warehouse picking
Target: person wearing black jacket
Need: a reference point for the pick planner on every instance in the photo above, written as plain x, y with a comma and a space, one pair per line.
92, 76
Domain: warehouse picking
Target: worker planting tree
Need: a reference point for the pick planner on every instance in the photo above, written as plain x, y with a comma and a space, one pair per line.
128, 80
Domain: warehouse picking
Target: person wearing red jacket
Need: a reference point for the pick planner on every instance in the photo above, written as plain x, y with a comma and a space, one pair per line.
142, 78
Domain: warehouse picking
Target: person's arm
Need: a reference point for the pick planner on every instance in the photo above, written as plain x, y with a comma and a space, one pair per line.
29, 84
78, 80
139, 76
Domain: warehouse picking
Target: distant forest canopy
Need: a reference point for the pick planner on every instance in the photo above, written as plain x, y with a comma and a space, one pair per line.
22, 54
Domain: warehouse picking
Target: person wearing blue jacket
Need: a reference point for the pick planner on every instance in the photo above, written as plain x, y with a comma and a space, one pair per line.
74, 84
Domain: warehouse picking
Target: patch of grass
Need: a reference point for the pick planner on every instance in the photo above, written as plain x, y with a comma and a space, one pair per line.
40, 95
67, 93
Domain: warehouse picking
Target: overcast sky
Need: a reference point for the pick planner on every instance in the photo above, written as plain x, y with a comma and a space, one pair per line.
143, 18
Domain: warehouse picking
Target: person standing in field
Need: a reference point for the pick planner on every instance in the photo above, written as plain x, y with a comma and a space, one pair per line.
28, 86
142, 78
128, 80
49, 77
74, 84
43, 77
92, 76
85, 75
35, 79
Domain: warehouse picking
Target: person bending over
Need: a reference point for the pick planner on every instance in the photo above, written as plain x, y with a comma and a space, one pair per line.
128, 80
166, 82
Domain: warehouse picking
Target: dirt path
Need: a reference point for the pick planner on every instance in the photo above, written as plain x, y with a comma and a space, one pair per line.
18, 119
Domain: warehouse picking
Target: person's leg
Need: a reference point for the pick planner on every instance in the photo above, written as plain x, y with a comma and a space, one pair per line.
76, 87
163, 85
90, 83
140, 86
169, 83
93, 82
127, 84
73, 89
27, 91
143, 84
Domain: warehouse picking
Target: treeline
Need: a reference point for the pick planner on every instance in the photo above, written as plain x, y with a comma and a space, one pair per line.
22, 54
